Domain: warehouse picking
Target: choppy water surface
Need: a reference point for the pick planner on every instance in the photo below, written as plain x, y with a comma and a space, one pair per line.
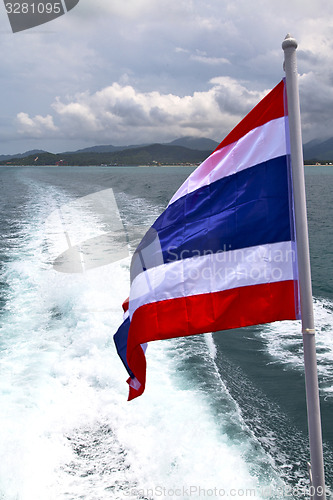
222, 415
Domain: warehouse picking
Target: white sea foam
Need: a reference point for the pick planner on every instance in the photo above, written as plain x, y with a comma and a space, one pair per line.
66, 429
284, 343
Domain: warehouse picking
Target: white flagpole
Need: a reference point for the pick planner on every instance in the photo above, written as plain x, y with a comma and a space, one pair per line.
317, 489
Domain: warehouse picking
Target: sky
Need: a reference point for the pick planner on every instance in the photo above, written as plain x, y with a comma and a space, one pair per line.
127, 72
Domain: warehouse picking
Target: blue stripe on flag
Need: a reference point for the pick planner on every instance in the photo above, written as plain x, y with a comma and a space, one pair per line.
242, 210
120, 340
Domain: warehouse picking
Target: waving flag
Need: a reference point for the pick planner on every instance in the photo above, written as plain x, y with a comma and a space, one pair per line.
223, 254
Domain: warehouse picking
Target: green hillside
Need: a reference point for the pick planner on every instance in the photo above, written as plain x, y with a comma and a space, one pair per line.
155, 154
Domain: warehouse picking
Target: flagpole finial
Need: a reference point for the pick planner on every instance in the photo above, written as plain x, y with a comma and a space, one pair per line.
289, 41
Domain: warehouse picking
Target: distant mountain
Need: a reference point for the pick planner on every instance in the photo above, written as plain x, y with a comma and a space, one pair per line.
180, 151
154, 154
159, 153
319, 151
22, 155
94, 149
198, 143
6, 157
191, 143
104, 149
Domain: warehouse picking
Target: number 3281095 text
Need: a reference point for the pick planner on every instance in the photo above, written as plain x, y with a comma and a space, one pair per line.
33, 8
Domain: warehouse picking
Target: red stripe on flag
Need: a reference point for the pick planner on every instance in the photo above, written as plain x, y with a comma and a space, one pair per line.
209, 312
269, 108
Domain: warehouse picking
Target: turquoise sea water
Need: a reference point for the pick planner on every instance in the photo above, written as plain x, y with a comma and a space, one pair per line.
223, 414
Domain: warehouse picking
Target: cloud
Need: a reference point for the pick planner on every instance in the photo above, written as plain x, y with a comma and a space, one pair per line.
121, 114
316, 107
201, 56
147, 70
36, 127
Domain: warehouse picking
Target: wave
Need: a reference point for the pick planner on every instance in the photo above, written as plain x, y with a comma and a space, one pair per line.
66, 429
283, 342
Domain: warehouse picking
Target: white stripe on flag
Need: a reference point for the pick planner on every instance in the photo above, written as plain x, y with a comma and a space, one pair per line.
214, 272
260, 144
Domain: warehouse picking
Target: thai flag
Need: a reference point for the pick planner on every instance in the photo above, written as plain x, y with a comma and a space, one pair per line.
223, 253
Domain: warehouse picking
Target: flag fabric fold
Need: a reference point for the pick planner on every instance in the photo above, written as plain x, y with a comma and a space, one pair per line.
223, 253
